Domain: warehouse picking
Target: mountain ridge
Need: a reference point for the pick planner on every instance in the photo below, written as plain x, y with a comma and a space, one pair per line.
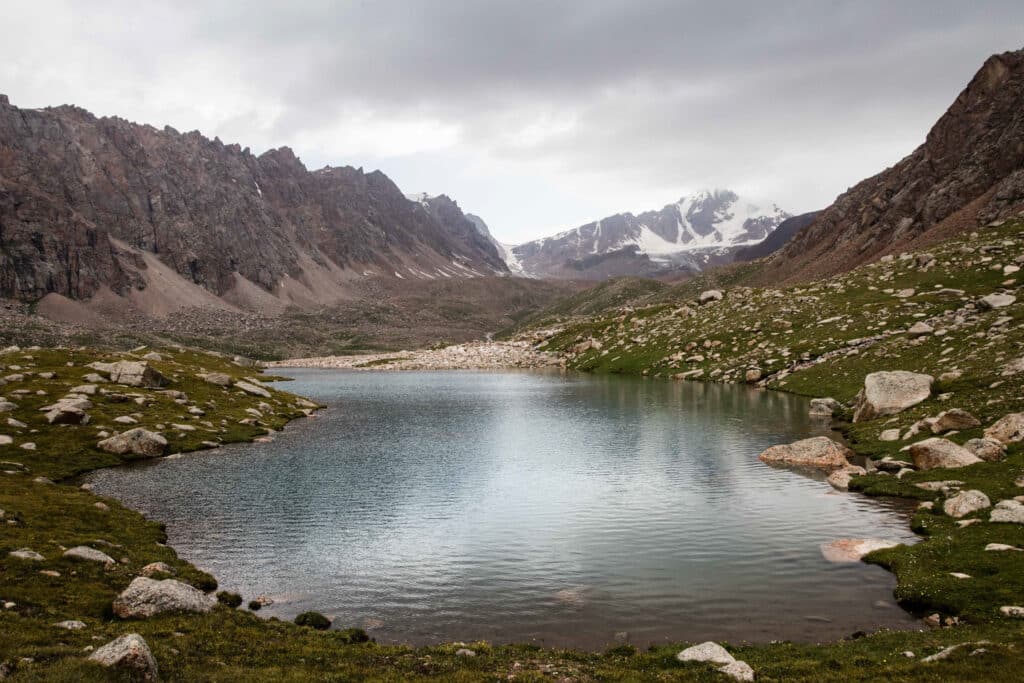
684, 236
85, 199
968, 171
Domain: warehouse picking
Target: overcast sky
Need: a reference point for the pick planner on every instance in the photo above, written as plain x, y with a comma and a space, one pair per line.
537, 116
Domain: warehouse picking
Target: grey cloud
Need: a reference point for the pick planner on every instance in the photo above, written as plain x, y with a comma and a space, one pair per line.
628, 99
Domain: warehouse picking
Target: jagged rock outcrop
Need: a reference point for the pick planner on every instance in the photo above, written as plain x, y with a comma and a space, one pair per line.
969, 170
82, 199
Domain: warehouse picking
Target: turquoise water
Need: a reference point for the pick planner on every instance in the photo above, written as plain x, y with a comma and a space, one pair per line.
515, 506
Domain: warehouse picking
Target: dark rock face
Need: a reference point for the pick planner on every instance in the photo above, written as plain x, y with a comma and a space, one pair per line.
778, 238
73, 187
468, 230
970, 169
681, 237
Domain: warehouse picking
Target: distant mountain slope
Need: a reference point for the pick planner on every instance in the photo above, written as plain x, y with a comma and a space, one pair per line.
86, 203
777, 239
969, 170
685, 236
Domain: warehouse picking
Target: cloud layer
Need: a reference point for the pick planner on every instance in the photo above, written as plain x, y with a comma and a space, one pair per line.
535, 115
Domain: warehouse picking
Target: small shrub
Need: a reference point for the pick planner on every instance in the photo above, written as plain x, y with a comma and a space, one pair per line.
624, 650
314, 620
232, 600
355, 635
205, 582
255, 605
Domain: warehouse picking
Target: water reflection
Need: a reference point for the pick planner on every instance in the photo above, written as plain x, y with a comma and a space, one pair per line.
523, 506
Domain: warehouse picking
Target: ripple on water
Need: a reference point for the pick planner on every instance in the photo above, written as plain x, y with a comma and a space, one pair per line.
527, 506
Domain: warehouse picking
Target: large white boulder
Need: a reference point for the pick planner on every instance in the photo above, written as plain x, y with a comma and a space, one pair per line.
853, 549
136, 441
252, 389
819, 452
144, 598
1008, 511
710, 295
130, 652
132, 373
965, 502
1007, 429
889, 393
936, 452
706, 652
84, 552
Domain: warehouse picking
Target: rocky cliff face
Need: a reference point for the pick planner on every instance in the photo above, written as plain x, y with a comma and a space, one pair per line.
467, 229
777, 239
82, 198
970, 169
684, 236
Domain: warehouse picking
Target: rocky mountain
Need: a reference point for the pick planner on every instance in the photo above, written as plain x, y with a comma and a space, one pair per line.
467, 228
694, 232
777, 239
94, 205
968, 171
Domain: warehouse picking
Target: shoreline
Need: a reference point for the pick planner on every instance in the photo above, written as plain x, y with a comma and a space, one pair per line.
905, 513
509, 355
249, 627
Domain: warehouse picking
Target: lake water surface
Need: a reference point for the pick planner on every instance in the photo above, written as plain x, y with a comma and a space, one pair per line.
564, 509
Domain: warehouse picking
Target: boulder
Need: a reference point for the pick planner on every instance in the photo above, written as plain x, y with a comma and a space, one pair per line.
1007, 429
136, 441
71, 625
987, 303
132, 373
824, 407
954, 418
706, 652
853, 549
986, 449
753, 375
1008, 511
889, 435
840, 479
252, 389
738, 671
129, 652
888, 393
84, 552
157, 568
965, 502
920, 329
144, 598
1015, 611
66, 413
219, 378
819, 452
26, 554
710, 295
935, 452
6, 406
